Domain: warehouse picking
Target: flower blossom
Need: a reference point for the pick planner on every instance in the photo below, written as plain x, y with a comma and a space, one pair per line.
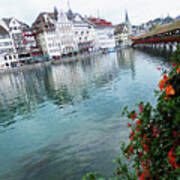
169, 90
172, 159
133, 116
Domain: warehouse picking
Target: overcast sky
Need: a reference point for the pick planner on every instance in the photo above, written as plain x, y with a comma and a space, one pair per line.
113, 10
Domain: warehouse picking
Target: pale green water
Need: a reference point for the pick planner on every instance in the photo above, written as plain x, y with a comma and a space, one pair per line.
62, 121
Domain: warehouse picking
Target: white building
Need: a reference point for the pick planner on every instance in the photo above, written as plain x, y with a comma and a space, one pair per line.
64, 29
84, 32
55, 34
105, 33
7, 56
46, 35
17, 31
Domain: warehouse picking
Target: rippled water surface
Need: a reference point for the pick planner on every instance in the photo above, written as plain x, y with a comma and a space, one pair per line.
59, 122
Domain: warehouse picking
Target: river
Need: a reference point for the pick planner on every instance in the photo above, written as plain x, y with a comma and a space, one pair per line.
62, 121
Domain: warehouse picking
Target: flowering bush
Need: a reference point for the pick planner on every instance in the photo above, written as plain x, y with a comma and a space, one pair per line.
154, 147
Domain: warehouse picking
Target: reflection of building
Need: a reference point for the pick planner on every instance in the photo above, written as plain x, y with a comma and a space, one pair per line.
105, 33
123, 33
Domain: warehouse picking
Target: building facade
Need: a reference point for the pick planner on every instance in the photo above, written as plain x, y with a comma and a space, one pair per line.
123, 33
55, 34
22, 37
8, 58
105, 33
83, 31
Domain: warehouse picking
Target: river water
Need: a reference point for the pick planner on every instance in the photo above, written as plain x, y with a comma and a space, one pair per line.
60, 122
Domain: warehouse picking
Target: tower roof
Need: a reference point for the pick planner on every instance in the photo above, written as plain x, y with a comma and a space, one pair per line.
127, 18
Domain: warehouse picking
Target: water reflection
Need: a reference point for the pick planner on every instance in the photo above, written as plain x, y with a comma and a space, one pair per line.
62, 121
126, 60
22, 93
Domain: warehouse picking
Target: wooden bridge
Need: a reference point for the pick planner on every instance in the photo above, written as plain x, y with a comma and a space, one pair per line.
164, 37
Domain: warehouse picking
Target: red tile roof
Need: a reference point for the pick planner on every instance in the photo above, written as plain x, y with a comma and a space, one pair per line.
100, 22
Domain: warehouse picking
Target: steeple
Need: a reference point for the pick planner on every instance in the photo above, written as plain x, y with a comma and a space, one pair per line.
127, 18
69, 6
55, 13
69, 12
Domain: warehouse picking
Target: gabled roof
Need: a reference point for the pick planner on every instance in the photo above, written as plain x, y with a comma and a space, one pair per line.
40, 18
8, 20
121, 28
3, 30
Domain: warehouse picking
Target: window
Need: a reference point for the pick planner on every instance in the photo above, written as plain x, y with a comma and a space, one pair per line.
5, 58
10, 57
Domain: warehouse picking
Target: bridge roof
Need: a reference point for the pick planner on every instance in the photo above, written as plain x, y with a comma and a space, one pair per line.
161, 30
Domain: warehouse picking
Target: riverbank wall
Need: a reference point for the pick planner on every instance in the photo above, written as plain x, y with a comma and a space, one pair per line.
63, 60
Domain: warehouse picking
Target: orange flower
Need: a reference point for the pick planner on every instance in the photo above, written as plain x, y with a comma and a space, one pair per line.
165, 77
166, 98
169, 90
163, 81
178, 71
161, 84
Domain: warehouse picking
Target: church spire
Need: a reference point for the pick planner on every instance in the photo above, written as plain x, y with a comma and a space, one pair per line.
55, 13
68, 4
127, 18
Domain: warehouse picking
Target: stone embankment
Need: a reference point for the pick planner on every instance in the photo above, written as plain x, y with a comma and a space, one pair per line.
48, 63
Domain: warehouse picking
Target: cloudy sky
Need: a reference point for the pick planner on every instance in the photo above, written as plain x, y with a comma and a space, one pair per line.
139, 10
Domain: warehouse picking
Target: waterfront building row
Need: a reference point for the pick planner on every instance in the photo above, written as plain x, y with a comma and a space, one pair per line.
52, 36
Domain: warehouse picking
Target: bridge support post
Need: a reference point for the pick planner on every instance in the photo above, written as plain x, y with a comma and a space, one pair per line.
178, 45
164, 46
174, 46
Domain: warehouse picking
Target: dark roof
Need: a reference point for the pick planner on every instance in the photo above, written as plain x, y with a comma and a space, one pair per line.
8, 20
40, 17
3, 30
71, 16
120, 28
